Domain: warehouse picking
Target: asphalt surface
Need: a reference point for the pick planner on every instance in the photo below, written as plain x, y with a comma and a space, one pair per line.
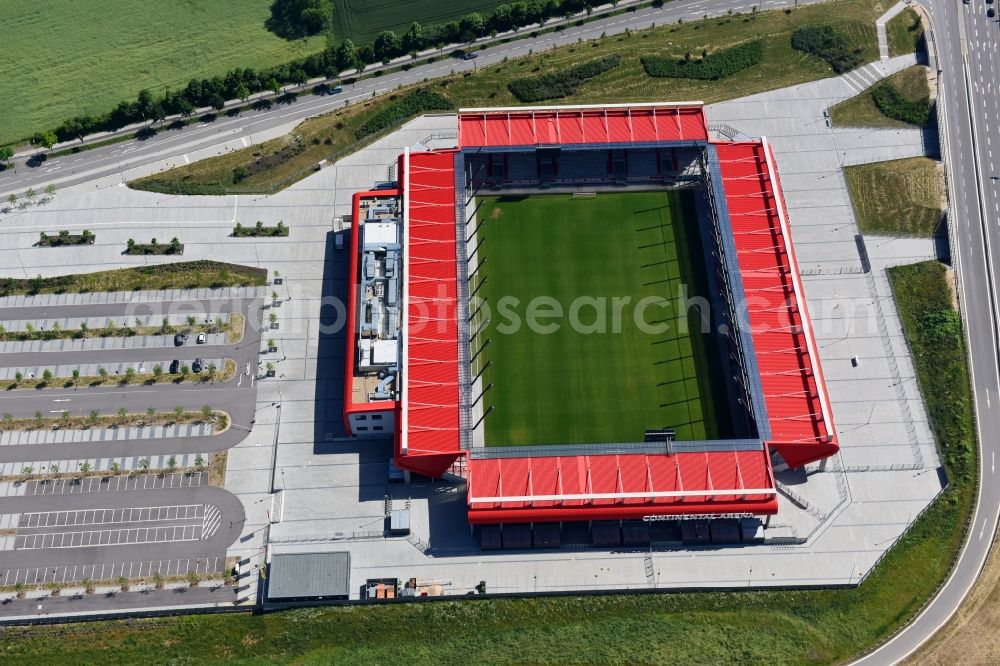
115, 159
117, 602
236, 396
964, 31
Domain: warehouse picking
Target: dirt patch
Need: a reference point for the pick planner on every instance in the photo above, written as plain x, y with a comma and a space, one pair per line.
949, 278
495, 214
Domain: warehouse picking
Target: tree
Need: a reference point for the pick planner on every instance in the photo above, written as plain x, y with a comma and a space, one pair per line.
123, 583
199, 462
178, 412
129, 374
115, 468
102, 372
144, 464
46, 139
192, 578
64, 416
274, 86
242, 92
151, 412
387, 45
175, 245
273, 317
206, 412
157, 370
31, 194
12, 199
172, 463
76, 375
27, 471
47, 375
94, 416
472, 26
217, 102
210, 370
185, 371
54, 470
158, 579
18, 377
346, 56
191, 321
8, 418
144, 104
38, 418
6, 153
122, 414
85, 468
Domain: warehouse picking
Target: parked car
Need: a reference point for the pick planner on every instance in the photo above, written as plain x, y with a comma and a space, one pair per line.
175, 367
200, 339
180, 339
198, 365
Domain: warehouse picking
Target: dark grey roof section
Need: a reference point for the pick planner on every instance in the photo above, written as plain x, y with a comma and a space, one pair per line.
649, 448
309, 575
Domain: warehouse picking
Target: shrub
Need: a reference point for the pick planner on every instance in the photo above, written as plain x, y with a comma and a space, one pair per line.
892, 103
826, 43
241, 173
711, 67
561, 84
413, 104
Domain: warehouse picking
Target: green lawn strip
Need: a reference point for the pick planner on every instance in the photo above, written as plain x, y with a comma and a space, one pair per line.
65, 58
905, 33
284, 160
862, 111
704, 346
573, 386
361, 20
183, 275
900, 197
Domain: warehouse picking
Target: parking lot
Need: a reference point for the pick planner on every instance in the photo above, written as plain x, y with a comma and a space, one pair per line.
63, 526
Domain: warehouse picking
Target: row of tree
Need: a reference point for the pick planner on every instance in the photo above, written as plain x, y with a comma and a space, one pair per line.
241, 83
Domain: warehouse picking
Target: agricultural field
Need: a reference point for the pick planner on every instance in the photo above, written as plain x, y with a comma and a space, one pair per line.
331, 136
362, 20
595, 376
69, 57
861, 110
900, 197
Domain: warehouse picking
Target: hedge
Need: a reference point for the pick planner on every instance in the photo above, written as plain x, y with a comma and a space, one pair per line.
709, 68
415, 103
561, 84
828, 44
892, 104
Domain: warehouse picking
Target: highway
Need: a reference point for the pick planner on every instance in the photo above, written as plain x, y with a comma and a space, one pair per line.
118, 158
969, 88
963, 33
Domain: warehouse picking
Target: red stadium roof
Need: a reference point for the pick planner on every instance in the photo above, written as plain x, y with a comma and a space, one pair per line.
614, 123
429, 441
791, 378
554, 488
619, 486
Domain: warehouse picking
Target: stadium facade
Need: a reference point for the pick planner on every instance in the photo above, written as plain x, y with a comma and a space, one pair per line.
413, 253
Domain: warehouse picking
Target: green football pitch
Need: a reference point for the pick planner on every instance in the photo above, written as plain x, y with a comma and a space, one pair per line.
608, 368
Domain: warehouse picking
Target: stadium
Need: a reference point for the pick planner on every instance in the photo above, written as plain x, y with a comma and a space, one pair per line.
589, 313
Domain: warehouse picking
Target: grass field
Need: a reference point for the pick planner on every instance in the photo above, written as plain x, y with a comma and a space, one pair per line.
904, 33
181, 275
861, 111
362, 20
67, 57
901, 197
782, 66
596, 377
